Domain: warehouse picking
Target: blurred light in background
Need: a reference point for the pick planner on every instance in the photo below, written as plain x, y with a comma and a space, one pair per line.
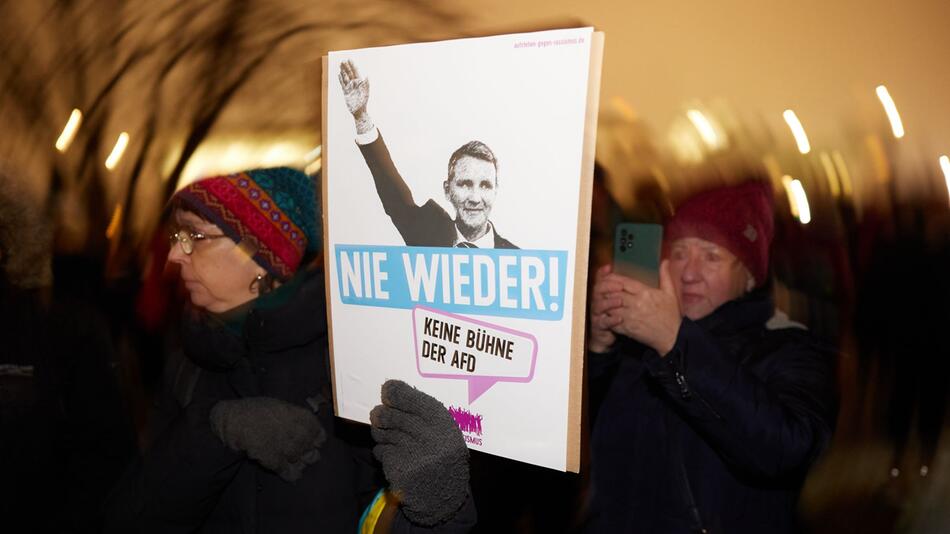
69, 131
833, 183
313, 161
891, 109
843, 173
313, 154
621, 106
114, 222
945, 166
705, 128
804, 211
797, 200
877, 152
687, 146
225, 155
797, 130
280, 154
117, 151
772, 167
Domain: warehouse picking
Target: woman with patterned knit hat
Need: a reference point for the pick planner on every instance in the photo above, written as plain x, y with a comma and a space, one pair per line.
244, 437
709, 415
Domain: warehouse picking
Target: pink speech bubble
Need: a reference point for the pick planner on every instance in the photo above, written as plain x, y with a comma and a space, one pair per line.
477, 384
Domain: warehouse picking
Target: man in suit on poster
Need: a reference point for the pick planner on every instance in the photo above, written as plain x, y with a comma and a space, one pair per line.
471, 184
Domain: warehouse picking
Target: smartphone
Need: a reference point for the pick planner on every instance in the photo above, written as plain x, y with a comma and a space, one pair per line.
637, 252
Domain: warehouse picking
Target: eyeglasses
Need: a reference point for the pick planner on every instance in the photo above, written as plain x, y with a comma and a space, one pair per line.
187, 239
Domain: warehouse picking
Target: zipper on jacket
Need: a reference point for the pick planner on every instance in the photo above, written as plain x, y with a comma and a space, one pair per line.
679, 376
687, 488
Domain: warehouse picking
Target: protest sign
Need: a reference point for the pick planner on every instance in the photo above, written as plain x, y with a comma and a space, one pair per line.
457, 185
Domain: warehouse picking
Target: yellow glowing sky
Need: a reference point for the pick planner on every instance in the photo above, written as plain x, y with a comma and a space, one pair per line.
821, 58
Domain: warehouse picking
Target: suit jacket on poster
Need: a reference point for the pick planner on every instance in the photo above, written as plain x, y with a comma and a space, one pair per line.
420, 226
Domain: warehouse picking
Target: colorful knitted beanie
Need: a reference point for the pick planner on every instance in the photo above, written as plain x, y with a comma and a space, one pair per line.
272, 211
738, 218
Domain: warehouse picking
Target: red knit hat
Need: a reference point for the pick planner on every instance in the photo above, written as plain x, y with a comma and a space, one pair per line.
273, 210
738, 218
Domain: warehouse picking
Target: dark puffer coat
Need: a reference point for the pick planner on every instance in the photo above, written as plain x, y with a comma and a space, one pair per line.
65, 434
188, 481
717, 435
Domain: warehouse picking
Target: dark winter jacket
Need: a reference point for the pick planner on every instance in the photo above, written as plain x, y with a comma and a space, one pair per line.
188, 481
65, 434
717, 435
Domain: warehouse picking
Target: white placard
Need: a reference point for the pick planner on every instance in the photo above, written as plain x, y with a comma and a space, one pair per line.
489, 331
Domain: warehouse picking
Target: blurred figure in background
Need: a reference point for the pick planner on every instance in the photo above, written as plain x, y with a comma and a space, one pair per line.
711, 412
64, 431
901, 316
605, 214
244, 438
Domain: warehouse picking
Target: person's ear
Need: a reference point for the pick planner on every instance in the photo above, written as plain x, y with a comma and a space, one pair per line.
255, 285
445, 188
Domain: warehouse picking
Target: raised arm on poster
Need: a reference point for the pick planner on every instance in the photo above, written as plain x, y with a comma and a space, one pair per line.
471, 184
430, 292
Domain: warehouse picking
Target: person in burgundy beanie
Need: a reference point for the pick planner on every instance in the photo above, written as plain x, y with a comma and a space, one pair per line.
737, 218
707, 413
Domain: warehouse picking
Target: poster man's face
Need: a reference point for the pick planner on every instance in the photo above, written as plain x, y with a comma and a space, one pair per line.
472, 191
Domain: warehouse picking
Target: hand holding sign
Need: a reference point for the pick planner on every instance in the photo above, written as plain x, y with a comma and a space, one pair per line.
422, 451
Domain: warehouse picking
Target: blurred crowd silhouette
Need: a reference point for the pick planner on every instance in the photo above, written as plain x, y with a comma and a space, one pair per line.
861, 253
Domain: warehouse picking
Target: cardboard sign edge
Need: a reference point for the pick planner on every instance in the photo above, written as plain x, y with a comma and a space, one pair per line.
326, 232
577, 386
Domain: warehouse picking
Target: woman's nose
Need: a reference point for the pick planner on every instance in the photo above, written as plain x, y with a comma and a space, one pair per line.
692, 269
175, 253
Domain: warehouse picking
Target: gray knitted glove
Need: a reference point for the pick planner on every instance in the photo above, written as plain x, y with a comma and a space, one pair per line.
422, 451
283, 437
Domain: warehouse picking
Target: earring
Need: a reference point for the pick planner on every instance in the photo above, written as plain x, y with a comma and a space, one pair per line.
255, 286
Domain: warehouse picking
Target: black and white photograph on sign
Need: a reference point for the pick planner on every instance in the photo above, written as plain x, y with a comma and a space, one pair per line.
452, 203
471, 183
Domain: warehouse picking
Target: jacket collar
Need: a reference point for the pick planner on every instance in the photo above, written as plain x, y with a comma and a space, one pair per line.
289, 318
751, 310
294, 315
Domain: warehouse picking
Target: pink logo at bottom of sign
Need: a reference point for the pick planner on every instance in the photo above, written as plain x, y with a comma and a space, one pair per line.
469, 423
